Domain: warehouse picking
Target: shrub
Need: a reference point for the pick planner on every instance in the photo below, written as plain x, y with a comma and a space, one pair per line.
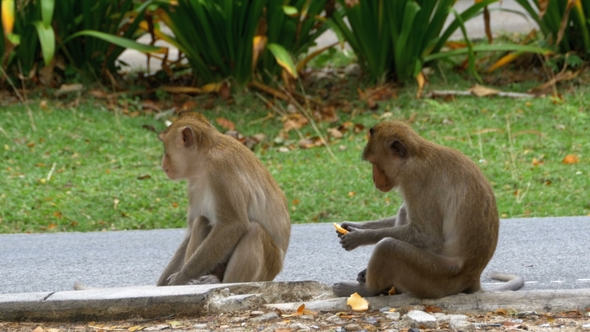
43, 28
232, 38
564, 23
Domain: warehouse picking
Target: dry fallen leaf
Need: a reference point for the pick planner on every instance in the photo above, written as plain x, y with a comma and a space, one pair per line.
357, 303
432, 309
571, 159
537, 162
339, 229
481, 91
301, 311
68, 88
174, 323
358, 128
38, 329
334, 132
225, 123
501, 312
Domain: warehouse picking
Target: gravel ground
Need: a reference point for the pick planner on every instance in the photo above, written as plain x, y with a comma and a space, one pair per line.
385, 319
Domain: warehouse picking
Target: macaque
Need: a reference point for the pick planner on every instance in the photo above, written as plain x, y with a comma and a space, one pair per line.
238, 222
446, 230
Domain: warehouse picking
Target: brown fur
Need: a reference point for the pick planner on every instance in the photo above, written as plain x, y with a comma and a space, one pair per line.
446, 231
238, 224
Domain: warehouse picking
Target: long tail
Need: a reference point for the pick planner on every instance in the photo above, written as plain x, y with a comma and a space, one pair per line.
79, 286
513, 281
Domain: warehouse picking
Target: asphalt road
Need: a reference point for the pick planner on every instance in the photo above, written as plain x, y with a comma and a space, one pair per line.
550, 253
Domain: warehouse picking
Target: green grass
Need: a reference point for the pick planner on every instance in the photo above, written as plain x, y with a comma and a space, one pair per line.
100, 157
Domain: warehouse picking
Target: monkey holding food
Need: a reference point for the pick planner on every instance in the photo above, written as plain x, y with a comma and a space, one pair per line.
238, 222
446, 230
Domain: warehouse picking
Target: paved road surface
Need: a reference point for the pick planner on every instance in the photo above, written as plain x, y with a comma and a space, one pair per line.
550, 253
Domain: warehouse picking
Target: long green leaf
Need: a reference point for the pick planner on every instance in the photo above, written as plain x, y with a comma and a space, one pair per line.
283, 58
47, 7
488, 48
470, 53
119, 41
467, 14
47, 41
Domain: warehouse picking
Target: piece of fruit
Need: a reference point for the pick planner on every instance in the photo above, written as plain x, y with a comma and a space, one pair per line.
340, 229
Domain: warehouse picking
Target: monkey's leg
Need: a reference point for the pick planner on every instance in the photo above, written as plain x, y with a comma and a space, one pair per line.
414, 270
255, 258
362, 277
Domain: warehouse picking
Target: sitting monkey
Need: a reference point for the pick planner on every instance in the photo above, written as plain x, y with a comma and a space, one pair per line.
238, 222
446, 230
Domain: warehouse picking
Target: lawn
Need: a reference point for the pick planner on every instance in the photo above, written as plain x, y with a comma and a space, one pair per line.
88, 168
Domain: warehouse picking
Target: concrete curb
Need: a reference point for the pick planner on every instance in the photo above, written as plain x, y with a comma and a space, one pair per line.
159, 302
154, 302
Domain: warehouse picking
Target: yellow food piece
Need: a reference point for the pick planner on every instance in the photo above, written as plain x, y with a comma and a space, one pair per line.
391, 291
357, 303
340, 229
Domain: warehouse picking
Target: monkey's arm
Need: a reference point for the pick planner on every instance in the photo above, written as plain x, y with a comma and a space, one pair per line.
177, 260
406, 233
398, 220
376, 224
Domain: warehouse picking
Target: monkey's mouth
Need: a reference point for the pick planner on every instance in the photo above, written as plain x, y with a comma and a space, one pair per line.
384, 187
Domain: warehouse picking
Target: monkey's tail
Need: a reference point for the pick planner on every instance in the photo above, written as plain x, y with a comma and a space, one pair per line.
513, 281
79, 286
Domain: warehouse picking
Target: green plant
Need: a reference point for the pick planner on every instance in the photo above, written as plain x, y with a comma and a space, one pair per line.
90, 34
293, 24
93, 34
31, 22
397, 38
564, 23
234, 38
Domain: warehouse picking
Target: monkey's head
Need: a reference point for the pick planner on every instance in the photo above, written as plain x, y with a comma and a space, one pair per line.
185, 142
389, 149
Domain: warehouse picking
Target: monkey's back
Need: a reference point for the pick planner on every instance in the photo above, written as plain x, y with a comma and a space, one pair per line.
266, 203
470, 219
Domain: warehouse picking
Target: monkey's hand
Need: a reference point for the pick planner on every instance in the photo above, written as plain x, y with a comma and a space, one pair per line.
178, 278
347, 224
354, 238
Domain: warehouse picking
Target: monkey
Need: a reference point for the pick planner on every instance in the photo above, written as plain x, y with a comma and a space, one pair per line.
238, 225
445, 231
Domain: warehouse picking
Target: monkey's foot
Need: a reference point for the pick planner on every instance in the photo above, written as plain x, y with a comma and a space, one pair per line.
345, 289
208, 279
362, 277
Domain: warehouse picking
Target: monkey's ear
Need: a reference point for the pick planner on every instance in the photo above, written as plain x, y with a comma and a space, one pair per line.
188, 139
398, 148
161, 136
